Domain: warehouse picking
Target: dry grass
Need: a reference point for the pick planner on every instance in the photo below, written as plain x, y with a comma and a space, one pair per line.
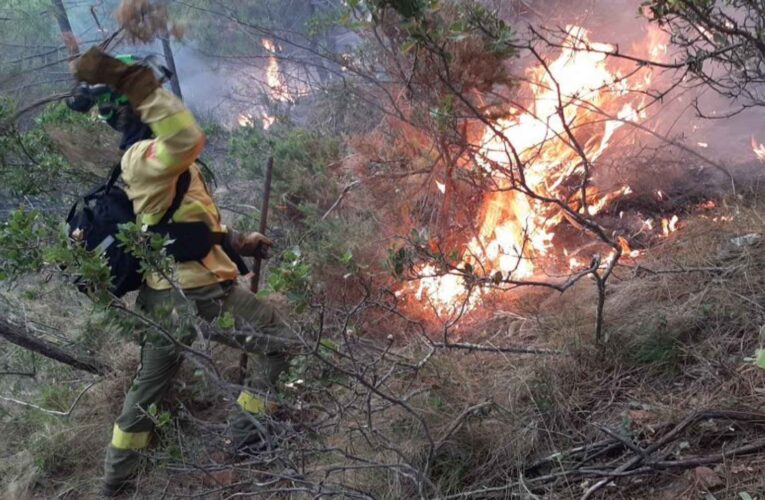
681, 323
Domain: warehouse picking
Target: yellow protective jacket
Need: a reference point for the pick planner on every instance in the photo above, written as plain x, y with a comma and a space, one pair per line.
150, 170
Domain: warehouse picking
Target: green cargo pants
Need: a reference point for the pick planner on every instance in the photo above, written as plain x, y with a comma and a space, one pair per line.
257, 327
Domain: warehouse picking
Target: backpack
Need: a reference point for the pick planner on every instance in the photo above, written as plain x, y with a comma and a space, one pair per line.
96, 223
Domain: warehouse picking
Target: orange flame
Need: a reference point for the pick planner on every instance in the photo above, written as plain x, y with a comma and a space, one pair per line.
277, 88
669, 226
245, 120
516, 231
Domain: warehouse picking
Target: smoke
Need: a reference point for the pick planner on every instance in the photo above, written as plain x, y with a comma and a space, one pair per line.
220, 91
207, 87
210, 87
681, 139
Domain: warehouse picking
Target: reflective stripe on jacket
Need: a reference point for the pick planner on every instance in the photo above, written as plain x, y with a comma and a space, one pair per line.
151, 168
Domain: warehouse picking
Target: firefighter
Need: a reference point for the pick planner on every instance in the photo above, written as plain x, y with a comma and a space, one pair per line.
162, 140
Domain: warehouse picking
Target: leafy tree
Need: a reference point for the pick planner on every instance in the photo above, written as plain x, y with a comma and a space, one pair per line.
32, 51
722, 42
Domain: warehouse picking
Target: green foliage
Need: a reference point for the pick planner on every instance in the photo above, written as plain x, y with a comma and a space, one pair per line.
30, 162
161, 418
55, 397
90, 268
323, 21
226, 321
60, 114
719, 41
31, 166
304, 187
51, 439
225, 36
291, 277
31, 28
21, 243
661, 9
301, 157
400, 260
407, 8
148, 247
542, 389
432, 24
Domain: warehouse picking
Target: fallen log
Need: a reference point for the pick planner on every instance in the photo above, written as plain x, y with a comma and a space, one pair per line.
19, 336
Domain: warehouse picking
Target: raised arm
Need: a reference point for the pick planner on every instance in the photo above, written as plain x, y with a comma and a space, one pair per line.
178, 138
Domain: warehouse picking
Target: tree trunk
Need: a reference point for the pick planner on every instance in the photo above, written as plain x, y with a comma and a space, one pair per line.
170, 60
18, 335
320, 69
66, 28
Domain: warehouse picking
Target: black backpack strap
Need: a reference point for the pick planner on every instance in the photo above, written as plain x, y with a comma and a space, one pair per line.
98, 191
181, 188
113, 176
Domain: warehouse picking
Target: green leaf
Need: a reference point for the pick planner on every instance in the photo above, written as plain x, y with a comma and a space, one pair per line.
328, 344
226, 321
164, 419
347, 257
407, 46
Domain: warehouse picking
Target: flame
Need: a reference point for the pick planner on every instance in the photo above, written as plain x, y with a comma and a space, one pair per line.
444, 289
245, 120
577, 264
625, 245
276, 86
515, 232
267, 120
669, 226
627, 250
597, 206
759, 150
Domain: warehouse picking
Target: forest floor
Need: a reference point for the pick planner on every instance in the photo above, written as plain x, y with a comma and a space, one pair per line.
673, 406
